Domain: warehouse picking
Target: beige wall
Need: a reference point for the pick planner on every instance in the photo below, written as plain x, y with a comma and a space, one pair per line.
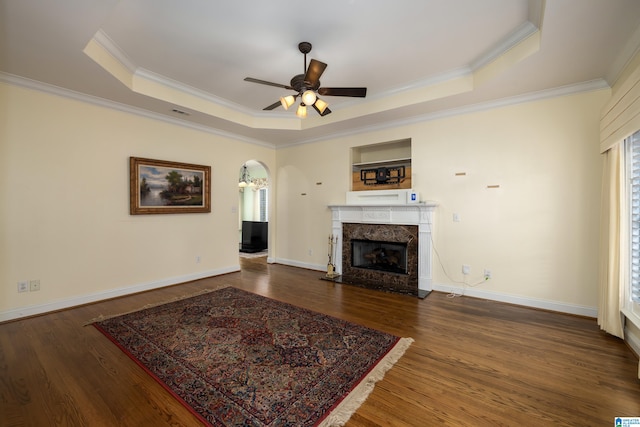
64, 200
537, 232
64, 213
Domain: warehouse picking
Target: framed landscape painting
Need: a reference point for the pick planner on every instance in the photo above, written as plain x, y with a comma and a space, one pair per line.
163, 187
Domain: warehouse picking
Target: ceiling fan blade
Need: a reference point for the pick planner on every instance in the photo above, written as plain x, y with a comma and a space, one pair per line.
314, 71
272, 106
264, 82
357, 92
324, 113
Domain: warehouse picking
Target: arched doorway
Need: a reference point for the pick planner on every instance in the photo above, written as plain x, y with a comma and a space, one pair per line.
253, 212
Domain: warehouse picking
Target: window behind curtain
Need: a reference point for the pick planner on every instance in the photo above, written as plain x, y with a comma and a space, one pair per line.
633, 150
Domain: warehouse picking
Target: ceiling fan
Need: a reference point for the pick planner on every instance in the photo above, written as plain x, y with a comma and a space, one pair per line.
307, 87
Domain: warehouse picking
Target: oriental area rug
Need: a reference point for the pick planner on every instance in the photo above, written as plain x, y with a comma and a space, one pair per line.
235, 358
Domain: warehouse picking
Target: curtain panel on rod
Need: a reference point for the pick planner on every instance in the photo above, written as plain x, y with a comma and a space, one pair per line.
612, 246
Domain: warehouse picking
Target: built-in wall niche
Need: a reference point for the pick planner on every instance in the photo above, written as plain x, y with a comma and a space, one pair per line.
382, 166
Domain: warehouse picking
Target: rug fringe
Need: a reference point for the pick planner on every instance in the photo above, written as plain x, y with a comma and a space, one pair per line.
341, 413
102, 317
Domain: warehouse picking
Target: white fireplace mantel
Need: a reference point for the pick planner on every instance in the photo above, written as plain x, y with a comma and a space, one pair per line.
420, 214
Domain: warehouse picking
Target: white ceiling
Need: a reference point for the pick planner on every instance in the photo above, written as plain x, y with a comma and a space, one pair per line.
418, 58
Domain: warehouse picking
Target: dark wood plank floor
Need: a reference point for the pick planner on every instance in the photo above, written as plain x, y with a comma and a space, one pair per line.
473, 362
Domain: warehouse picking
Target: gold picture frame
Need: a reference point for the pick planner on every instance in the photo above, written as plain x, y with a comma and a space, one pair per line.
165, 187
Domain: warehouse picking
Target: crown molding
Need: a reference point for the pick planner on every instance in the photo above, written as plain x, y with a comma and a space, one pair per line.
101, 102
515, 46
628, 52
190, 90
523, 32
589, 86
114, 50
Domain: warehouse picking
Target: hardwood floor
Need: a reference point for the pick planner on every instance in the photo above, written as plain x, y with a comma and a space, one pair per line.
473, 362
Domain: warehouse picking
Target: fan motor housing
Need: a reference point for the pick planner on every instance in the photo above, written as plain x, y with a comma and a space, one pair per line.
299, 85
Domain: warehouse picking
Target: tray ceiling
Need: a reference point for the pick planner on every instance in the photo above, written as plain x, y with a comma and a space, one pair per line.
185, 61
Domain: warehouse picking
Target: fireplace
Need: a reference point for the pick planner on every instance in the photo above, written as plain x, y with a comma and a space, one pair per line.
392, 227
381, 256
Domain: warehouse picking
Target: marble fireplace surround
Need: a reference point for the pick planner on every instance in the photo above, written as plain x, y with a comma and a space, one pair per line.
419, 214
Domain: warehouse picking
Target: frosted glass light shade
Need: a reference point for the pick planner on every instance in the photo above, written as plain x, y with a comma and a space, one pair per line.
287, 101
309, 97
302, 111
321, 105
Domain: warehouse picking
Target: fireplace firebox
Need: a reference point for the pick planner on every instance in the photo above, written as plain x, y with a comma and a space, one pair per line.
378, 255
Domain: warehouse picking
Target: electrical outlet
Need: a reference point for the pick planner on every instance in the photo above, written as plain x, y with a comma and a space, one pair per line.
34, 285
487, 274
456, 217
310, 252
197, 259
23, 286
466, 269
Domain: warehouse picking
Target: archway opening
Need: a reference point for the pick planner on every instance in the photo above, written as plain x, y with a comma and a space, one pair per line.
253, 212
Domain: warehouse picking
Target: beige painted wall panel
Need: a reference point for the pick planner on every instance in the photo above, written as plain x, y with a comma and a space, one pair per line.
64, 194
537, 232
64, 197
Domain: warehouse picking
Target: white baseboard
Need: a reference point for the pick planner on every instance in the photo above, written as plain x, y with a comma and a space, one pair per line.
114, 293
34, 310
494, 296
562, 307
478, 293
299, 264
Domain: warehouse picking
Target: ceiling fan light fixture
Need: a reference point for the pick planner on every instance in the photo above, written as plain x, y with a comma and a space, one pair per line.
309, 97
287, 101
307, 86
302, 111
321, 105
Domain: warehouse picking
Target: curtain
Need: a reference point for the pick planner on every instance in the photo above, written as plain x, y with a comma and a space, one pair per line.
612, 245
